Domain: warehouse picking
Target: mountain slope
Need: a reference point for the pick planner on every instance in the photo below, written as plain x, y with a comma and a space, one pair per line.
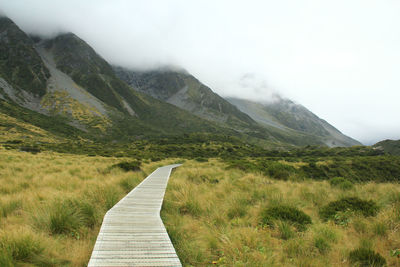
20, 65
66, 79
185, 91
80, 86
78, 60
284, 115
389, 146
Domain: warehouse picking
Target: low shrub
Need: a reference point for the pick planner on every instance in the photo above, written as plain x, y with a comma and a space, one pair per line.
200, 159
285, 213
31, 149
364, 257
352, 204
341, 183
280, 171
128, 166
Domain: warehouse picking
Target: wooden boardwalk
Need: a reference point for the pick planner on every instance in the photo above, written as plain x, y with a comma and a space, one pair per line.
132, 233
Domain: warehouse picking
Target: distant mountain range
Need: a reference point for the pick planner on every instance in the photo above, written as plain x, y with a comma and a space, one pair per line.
286, 116
64, 79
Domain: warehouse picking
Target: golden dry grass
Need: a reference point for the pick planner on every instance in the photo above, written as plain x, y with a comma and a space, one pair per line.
213, 217
212, 213
31, 188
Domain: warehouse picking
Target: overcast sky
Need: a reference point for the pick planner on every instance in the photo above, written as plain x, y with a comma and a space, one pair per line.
340, 59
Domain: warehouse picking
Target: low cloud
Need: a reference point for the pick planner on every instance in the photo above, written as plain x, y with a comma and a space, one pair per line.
327, 57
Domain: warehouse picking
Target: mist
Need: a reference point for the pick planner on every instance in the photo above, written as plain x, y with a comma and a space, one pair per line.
339, 59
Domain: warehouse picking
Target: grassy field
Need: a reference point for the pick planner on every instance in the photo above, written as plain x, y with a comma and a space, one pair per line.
51, 205
215, 216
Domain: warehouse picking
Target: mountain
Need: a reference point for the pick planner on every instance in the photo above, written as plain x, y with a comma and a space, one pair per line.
181, 89
285, 116
178, 87
63, 86
389, 146
283, 120
22, 72
64, 77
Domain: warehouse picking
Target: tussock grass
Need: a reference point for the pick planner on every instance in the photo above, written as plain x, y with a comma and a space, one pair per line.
52, 205
219, 223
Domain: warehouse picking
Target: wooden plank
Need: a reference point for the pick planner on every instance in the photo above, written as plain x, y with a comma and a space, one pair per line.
132, 233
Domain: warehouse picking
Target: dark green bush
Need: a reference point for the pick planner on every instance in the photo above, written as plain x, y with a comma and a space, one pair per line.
280, 171
128, 166
352, 204
285, 213
364, 257
14, 142
31, 149
200, 159
341, 183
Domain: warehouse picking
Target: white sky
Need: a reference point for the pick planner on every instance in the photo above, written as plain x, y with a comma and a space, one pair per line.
340, 59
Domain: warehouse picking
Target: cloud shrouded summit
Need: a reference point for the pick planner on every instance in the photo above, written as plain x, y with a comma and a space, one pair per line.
340, 59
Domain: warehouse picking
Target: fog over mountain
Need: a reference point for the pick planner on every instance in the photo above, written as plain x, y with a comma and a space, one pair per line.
340, 59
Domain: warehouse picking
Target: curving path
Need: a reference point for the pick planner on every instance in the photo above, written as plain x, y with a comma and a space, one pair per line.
132, 233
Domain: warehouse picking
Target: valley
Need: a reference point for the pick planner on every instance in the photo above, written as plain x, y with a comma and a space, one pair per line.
265, 183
